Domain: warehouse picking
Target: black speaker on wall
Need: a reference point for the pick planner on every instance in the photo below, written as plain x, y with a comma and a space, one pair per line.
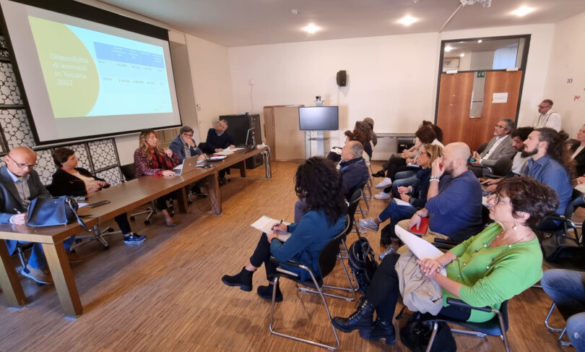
342, 78
238, 126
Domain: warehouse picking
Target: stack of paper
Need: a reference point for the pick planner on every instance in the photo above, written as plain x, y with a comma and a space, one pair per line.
265, 223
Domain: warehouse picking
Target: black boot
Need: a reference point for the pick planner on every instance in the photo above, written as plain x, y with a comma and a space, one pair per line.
379, 174
380, 330
243, 279
266, 292
360, 319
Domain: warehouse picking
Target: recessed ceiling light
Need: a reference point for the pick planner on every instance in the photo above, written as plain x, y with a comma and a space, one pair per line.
448, 48
480, 41
407, 20
294, 11
461, 55
311, 28
523, 11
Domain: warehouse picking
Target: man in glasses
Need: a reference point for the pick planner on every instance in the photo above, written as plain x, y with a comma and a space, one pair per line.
547, 118
499, 147
184, 145
19, 184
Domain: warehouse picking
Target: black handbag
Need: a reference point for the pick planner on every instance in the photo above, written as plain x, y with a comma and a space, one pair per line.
560, 247
416, 335
362, 263
43, 212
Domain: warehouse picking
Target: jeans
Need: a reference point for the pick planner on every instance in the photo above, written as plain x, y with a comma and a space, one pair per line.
407, 181
37, 259
122, 221
396, 212
567, 289
577, 202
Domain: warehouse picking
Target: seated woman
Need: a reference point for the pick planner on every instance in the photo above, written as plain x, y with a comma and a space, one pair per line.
319, 183
415, 195
405, 166
70, 180
485, 270
362, 133
152, 160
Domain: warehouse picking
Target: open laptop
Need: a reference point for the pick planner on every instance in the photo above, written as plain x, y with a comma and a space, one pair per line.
189, 164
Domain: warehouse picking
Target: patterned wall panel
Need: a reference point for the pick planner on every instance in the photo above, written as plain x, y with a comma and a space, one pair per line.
81, 154
45, 166
9, 93
103, 154
16, 128
113, 176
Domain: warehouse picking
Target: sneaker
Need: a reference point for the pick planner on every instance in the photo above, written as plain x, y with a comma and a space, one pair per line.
382, 195
389, 250
134, 238
369, 224
37, 275
266, 292
387, 181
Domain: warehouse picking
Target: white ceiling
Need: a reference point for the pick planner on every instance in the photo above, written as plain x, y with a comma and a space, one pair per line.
250, 22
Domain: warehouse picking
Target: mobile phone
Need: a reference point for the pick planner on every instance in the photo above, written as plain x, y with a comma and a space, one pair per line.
97, 204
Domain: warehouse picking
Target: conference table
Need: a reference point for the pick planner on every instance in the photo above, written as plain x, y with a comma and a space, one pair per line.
121, 199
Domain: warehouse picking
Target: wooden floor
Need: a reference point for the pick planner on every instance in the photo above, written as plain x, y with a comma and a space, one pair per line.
166, 294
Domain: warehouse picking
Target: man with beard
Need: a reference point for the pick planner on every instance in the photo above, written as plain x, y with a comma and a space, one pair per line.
546, 150
519, 135
454, 196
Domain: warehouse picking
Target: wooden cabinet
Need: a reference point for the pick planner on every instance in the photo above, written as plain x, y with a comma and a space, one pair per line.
281, 128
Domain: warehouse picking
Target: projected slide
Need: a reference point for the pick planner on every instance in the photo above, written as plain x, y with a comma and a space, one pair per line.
89, 73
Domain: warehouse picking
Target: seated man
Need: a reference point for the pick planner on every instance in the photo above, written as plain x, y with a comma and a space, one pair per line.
19, 184
184, 145
519, 135
354, 173
499, 147
454, 196
218, 138
567, 290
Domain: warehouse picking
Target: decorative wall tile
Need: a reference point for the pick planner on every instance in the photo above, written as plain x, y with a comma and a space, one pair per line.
103, 153
113, 176
4, 53
17, 131
9, 92
45, 166
82, 157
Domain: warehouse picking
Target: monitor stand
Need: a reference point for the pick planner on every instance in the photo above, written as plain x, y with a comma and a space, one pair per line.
315, 143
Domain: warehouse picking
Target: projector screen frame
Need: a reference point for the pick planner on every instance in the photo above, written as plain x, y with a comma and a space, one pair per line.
92, 14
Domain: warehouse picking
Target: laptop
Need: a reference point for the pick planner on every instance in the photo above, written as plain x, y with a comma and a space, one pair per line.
189, 164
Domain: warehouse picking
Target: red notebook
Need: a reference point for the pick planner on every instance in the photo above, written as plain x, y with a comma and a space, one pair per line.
424, 226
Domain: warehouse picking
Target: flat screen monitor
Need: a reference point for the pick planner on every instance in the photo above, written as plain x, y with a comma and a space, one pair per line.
318, 118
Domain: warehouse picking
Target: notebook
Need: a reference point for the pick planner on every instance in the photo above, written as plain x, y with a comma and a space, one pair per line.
188, 165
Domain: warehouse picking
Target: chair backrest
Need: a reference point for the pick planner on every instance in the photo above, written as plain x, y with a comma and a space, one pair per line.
129, 171
328, 255
502, 166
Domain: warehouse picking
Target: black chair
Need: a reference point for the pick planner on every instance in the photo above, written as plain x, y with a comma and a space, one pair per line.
563, 330
354, 201
497, 326
129, 172
327, 260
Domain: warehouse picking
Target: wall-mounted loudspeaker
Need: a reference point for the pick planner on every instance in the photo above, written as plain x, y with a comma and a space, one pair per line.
342, 78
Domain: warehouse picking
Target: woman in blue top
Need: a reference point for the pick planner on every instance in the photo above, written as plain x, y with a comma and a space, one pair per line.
320, 184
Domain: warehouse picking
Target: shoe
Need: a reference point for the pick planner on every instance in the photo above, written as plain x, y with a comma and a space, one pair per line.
74, 257
387, 181
380, 330
382, 195
360, 319
243, 279
391, 249
37, 276
134, 238
378, 174
170, 223
266, 292
369, 224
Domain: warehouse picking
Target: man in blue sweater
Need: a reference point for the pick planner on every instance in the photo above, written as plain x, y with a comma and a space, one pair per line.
454, 196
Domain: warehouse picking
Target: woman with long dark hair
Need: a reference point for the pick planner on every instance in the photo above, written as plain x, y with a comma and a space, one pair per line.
320, 184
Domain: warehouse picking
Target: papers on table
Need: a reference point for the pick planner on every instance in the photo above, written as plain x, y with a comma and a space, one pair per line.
228, 151
419, 247
265, 223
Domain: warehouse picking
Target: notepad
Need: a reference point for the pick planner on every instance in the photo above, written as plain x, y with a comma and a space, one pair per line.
228, 151
265, 223
418, 246
422, 229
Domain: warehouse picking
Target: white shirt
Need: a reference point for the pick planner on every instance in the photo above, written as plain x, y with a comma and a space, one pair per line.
550, 119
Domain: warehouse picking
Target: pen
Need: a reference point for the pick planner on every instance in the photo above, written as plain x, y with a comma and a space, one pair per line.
18, 211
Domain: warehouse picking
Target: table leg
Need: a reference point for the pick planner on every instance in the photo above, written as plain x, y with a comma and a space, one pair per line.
266, 155
9, 280
183, 200
63, 278
214, 193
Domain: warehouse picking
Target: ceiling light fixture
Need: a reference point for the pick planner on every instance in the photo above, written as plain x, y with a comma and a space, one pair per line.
484, 3
311, 28
523, 11
448, 48
480, 41
407, 20
461, 55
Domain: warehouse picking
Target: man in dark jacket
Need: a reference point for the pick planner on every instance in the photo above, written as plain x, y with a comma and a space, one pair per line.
184, 145
218, 138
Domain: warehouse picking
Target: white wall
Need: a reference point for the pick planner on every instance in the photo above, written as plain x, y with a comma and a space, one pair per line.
567, 62
390, 78
538, 61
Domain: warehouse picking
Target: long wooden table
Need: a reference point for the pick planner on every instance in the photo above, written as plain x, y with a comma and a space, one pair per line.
122, 198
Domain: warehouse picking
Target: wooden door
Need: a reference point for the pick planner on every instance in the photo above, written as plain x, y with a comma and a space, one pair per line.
455, 102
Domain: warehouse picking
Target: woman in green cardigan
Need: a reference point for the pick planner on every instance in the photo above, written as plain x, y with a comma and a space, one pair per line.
487, 269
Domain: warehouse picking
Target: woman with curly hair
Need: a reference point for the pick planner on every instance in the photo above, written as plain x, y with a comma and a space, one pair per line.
320, 184
152, 160
362, 133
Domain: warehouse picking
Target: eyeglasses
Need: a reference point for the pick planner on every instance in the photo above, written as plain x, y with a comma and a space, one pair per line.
21, 165
498, 126
543, 106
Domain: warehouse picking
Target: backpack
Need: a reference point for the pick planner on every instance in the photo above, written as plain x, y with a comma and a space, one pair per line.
416, 335
362, 262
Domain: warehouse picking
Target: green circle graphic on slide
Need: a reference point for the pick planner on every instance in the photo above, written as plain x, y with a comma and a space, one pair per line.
69, 70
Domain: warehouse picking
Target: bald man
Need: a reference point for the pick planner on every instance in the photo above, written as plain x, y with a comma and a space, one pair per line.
454, 196
19, 184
